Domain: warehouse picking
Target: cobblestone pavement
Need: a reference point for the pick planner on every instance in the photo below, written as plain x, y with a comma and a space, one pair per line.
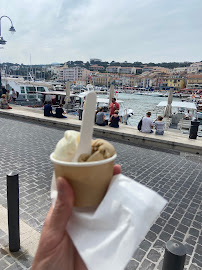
25, 148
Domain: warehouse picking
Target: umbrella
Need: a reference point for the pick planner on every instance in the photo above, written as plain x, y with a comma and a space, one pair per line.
111, 93
168, 109
67, 90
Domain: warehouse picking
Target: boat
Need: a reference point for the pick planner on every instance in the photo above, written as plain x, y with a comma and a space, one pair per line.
199, 111
30, 92
179, 111
124, 113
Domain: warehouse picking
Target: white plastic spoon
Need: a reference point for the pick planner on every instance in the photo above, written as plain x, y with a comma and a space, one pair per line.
86, 131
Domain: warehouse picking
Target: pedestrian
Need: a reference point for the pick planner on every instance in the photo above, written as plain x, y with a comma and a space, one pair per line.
8, 97
59, 112
159, 126
147, 123
115, 119
56, 250
3, 90
100, 118
14, 96
4, 102
187, 115
113, 106
48, 109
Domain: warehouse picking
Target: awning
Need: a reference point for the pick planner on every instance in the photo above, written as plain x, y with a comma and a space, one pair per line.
178, 104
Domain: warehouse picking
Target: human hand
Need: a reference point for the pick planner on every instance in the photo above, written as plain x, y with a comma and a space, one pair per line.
56, 250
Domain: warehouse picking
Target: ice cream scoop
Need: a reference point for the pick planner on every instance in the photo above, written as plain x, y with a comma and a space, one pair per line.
66, 148
100, 149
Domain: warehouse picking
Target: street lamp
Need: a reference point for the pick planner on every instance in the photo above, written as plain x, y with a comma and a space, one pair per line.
2, 41
12, 30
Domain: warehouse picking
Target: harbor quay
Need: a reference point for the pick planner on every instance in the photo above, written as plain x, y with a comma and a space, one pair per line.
172, 172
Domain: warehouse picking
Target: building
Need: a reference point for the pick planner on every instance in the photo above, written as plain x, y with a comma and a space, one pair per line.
96, 68
195, 68
194, 81
147, 69
100, 79
113, 69
94, 60
73, 74
180, 70
176, 82
127, 70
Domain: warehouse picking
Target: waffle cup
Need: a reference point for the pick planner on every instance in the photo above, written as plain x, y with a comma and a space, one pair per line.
89, 180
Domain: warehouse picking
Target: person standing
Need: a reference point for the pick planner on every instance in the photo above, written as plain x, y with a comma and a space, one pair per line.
147, 123
8, 97
114, 106
14, 95
159, 126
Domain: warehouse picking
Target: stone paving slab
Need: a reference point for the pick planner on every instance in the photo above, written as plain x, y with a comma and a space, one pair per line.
25, 147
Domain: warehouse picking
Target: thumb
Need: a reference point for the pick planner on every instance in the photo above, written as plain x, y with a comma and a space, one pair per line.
63, 206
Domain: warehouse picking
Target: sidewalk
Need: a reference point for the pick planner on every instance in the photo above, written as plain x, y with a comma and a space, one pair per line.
29, 239
170, 140
26, 147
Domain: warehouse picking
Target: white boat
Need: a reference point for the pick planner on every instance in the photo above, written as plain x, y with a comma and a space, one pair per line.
199, 115
28, 90
179, 111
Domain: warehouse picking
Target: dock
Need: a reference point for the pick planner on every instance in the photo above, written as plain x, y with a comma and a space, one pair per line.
171, 140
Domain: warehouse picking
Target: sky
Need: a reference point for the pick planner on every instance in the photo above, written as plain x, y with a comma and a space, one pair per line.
49, 31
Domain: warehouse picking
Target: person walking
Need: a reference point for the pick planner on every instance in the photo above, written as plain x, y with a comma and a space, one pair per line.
159, 126
115, 119
113, 106
147, 123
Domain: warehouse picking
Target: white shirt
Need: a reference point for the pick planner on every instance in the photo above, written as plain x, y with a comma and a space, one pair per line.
147, 124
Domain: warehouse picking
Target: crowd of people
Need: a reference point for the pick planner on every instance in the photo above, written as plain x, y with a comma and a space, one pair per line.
6, 98
114, 119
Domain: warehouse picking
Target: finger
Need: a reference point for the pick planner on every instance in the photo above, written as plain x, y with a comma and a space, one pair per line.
48, 217
63, 206
117, 169
79, 263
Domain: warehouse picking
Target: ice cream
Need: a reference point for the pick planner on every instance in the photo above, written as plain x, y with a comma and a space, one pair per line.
67, 146
91, 175
101, 149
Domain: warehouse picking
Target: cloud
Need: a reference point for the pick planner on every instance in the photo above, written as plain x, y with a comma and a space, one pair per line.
132, 30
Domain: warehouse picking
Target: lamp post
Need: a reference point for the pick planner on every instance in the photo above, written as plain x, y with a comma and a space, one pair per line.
2, 41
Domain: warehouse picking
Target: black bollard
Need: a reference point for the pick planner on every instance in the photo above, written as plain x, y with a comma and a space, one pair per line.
174, 257
193, 133
13, 211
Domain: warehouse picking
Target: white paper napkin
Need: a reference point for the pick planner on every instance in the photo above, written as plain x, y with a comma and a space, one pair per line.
106, 238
